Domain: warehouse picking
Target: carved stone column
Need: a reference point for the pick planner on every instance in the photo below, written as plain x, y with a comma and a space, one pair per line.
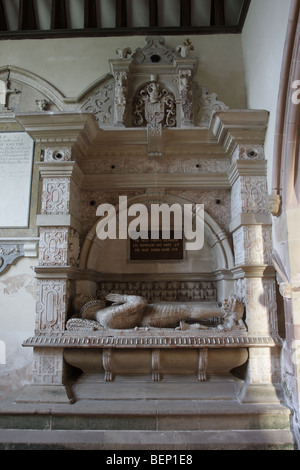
252, 240
63, 139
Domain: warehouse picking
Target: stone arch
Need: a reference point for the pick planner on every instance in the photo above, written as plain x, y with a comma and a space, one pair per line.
213, 233
34, 93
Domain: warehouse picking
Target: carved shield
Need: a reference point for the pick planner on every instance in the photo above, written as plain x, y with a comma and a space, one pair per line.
154, 112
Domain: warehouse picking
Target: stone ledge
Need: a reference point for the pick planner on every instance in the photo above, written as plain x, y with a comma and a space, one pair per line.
144, 339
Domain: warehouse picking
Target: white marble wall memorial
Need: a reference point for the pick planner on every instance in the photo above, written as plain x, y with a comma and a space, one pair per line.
16, 159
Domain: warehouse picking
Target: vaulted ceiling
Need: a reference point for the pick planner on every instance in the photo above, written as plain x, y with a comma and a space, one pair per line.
56, 18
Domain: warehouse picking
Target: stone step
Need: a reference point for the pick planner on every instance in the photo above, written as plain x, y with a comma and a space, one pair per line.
146, 440
145, 415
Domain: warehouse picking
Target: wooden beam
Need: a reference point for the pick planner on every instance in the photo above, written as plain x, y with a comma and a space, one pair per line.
217, 17
90, 14
121, 13
3, 23
27, 15
243, 15
153, 13
185, 12
59, 15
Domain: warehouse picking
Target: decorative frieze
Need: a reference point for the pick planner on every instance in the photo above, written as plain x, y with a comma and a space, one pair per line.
189, 291
133, 339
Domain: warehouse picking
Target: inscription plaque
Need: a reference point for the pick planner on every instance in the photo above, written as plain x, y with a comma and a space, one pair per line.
155, 250
16, 159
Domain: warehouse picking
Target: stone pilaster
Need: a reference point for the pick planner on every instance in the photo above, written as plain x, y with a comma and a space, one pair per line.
63, 139
255, 277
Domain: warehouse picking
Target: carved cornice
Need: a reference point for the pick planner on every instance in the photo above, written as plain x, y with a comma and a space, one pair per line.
144, 181
163, 339
231, 127
64, 128
247, 168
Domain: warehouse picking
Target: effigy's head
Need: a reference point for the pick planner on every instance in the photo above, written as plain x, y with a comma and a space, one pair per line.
91, 307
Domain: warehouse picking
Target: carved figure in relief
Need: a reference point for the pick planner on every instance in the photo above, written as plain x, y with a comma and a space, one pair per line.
132, 311
185, 87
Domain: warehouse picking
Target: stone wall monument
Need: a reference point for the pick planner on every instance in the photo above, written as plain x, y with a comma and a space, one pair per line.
149, 132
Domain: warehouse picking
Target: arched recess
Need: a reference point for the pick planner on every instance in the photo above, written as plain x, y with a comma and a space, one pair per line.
29, 92
215, 238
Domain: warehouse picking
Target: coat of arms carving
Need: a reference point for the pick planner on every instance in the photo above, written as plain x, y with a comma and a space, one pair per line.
155, 106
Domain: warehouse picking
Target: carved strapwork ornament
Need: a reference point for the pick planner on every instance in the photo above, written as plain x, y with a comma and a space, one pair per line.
51, 308
8, 254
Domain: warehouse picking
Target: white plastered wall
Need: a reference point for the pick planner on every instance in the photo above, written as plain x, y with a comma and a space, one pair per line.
263, 40
71, 65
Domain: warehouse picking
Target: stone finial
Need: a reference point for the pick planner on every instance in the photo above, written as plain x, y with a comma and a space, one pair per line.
185, 48
123, 53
